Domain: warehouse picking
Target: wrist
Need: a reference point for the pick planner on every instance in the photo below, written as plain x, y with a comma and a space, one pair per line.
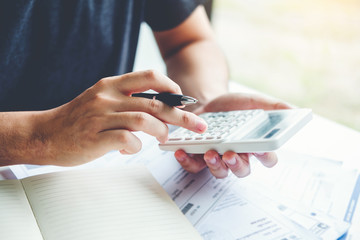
22, 142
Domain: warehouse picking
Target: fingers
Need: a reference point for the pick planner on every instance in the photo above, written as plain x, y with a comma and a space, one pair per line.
242, 101
259, 101
191, 163
268, 159
194, 163
144, 80
238, 163
122, 140
124, 85
137, 121
165, 113
216, 166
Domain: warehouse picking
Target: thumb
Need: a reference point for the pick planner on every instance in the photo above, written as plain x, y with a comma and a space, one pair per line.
243, 101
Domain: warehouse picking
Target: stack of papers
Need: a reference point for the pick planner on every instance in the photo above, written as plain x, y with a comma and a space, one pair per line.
302, 197
314, 197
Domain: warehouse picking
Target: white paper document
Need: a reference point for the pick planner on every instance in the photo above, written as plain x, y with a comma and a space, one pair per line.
236, 217
317, 194
297, 199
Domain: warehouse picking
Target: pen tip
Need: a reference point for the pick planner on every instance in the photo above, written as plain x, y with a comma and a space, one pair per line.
186, 100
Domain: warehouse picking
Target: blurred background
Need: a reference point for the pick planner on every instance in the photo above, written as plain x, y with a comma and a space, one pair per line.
306, 52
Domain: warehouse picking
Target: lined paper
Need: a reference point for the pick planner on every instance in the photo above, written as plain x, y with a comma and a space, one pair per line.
16, 218
120, 203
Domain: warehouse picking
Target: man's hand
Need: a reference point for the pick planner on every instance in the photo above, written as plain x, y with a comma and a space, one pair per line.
101, 119
238, 163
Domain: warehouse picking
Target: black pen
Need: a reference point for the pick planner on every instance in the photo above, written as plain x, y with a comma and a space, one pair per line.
170, 99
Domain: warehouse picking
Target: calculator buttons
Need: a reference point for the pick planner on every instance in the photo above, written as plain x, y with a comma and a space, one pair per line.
221, 126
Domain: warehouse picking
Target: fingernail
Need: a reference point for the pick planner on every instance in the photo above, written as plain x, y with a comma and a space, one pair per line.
201, 126
259, 154
123, 151
212, 161
231, 161
181, 158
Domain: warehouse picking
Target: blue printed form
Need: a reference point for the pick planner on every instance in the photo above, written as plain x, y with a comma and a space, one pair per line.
316, 193
352, 214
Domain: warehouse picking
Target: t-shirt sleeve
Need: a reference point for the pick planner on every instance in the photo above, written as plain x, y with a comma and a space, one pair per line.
163, 15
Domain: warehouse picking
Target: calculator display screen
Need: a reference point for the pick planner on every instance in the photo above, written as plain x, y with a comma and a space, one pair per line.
267, 130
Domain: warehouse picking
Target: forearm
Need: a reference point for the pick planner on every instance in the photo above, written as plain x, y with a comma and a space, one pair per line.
19, 139
200, 69
193, 58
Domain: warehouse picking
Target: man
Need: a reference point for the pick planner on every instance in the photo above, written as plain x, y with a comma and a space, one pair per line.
66, 81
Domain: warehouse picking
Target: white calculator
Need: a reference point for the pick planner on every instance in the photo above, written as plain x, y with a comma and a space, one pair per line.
240, 131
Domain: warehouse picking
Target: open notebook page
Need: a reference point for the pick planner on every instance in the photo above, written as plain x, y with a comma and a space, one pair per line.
16, 218
120, 203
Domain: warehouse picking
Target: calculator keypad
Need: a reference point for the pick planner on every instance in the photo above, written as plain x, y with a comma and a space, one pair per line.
221, 125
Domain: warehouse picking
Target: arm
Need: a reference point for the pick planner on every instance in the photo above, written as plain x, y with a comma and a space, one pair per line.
99, 120
193, 58
19, 143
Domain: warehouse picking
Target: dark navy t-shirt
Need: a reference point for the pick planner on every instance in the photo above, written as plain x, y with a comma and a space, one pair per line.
52, 50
